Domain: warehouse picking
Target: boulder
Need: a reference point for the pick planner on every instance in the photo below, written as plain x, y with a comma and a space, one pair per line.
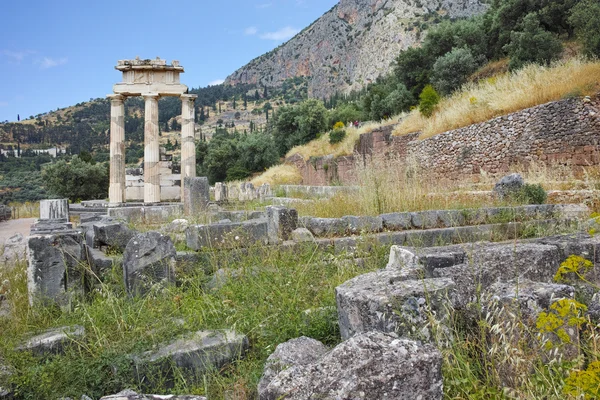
149, 259
301, 351
508, 186
53, 341
194, 355
300, 235
115, 234
372, 365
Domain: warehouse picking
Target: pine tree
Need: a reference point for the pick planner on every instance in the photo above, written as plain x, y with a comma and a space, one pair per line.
234, 104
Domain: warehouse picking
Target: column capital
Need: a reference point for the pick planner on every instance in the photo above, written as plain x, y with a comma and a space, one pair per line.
188, 97
115, 97
147, 96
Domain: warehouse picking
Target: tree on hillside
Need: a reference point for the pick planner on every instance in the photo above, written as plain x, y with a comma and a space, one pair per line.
585, 19
77, 180
299, 124
532, 44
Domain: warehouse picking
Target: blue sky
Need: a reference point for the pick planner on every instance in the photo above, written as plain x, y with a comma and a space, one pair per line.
58, 53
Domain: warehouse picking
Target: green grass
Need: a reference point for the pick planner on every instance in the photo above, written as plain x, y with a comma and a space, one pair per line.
266, 302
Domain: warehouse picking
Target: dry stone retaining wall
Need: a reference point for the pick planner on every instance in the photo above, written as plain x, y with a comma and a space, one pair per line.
563, 132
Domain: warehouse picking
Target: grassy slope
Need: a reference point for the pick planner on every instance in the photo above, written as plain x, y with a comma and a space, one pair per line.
476, 102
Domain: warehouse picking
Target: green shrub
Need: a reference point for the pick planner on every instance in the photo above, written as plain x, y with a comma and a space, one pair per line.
532, 194
429, 98
532, 44
452, 69
336, 136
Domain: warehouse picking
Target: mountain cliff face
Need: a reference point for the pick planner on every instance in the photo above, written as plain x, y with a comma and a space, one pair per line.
352, 44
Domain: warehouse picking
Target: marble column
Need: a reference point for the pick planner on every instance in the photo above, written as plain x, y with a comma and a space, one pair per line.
188, 147
151, 150
116, 189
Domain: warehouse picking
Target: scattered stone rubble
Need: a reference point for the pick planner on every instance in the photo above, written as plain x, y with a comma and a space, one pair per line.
131, 395
373, 365
380, 314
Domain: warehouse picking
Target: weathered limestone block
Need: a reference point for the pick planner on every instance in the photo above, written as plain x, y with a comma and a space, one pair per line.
220, 192
300, 235
397, 221
574, 212
281, 222
451, 218
402, 258
392, 300
54, 266
196, 195
241, 234
301, 351
527, 297
99, 261
149, 259
55, 209
45, 227
12, 250
504, 262
131, 395
5, 373
113, 233
53, 341
194, 355
424, 219
321, 227
515, 306
373, 365
357, 225
264, 192
508, 186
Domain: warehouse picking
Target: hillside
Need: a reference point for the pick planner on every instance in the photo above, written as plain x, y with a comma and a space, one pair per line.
352, 44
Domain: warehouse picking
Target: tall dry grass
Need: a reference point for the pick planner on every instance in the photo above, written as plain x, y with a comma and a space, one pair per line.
282, 174
321, 146
393, 185
506, 93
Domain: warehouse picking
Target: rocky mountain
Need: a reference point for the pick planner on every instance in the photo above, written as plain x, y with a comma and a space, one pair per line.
352, 44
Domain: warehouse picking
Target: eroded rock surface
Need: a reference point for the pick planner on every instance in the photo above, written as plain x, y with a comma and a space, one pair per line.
372, 365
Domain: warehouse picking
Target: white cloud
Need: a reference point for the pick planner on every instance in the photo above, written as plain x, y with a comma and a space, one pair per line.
16, 56
283, 34
264, 5
251, 30
3, 103
216, 82
48, 62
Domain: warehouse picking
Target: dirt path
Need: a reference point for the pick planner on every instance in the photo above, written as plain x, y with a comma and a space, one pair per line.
14, 226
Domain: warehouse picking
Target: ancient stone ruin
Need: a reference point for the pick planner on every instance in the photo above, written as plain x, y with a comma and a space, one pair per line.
150, 79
